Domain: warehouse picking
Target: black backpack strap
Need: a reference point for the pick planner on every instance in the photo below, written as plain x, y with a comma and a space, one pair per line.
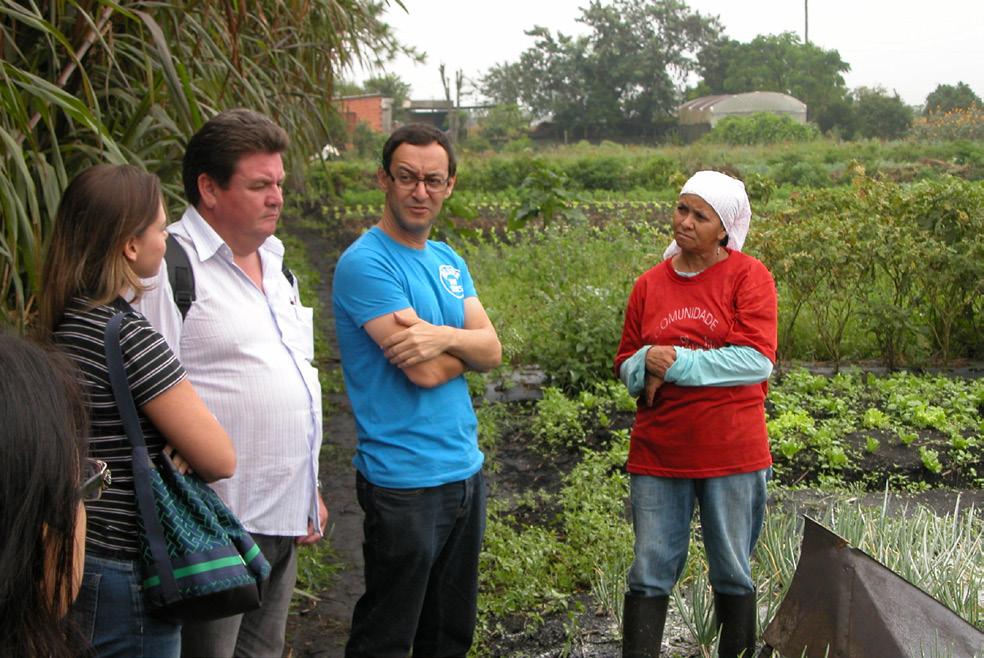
180, 274
182, 277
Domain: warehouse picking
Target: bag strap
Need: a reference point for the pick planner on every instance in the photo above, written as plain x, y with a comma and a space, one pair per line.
180, 274
141, 460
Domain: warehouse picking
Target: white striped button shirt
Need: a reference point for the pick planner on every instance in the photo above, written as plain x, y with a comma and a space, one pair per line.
248, 353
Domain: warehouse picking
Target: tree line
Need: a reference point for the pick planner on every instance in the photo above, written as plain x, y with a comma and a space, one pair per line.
624, 77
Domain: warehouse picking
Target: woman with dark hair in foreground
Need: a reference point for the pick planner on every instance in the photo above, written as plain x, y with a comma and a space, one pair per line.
43, 480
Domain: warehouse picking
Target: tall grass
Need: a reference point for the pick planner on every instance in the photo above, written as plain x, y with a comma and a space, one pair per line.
941, 554
95, 81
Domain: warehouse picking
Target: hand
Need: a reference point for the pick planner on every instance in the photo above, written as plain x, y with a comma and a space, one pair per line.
658, 359
180, 465
652, 385
420, 341
313, 535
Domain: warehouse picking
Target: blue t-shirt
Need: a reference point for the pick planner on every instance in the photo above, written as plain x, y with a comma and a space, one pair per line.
409, 436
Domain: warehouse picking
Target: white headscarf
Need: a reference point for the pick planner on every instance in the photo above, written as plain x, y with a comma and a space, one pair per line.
728, 198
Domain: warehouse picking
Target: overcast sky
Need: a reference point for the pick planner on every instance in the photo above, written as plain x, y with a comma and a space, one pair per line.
901, 45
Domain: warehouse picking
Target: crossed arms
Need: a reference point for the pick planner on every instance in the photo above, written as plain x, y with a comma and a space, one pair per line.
429, 354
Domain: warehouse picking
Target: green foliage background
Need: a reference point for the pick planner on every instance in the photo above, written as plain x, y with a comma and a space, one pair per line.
97, 81
876, 270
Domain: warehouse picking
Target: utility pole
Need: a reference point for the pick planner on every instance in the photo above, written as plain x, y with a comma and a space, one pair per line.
452, 116
806, 21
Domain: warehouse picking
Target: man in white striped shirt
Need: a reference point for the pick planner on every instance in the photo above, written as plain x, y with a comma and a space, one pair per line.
247, 345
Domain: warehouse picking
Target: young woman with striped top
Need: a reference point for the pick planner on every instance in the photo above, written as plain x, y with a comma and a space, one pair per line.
109, 232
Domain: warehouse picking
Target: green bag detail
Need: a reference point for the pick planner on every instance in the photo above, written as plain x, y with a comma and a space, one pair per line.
215, 563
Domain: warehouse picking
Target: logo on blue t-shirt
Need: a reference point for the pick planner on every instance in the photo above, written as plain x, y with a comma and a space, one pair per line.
451, 280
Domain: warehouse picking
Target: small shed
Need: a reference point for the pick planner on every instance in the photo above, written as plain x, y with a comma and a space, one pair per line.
698, 116
374, 110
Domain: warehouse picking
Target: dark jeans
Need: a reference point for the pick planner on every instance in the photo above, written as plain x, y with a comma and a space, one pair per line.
421, 570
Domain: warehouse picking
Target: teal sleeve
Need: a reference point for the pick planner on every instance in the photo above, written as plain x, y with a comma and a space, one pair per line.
632, 372
734, 365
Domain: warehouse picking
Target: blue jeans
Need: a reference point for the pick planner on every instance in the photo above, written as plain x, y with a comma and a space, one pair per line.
110, 614
731, 514
421, 569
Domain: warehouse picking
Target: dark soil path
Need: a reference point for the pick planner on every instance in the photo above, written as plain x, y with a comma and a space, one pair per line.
320, 628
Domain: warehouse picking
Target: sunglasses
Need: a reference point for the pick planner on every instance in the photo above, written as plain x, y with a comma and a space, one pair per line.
96, 478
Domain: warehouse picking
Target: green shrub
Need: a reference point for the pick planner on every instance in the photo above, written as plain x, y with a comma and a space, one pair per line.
761, 128
801, 173
759, 187
598, 173
503, 123
543, 195
495, 174
366, 142
475, 144
655, 172
518, 145
880, 269
557, 295
559, 421
958, 124
879, 114
329, 182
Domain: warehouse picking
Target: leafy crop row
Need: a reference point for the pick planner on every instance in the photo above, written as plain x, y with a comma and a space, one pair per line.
875, 271
532, 571
822, 423
619, 169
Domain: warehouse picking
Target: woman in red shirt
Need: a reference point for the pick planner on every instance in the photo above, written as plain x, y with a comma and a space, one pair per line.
697, 347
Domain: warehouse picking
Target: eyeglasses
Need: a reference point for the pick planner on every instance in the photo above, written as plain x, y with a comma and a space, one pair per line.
96, 478
407, 181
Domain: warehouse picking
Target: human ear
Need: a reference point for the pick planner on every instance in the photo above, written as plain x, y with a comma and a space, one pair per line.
450, 188
382, 178
206, 190
130, 249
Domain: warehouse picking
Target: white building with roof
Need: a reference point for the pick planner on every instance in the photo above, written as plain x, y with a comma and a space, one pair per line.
698, 116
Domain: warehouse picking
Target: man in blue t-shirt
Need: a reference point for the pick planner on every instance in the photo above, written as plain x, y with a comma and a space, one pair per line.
409, 324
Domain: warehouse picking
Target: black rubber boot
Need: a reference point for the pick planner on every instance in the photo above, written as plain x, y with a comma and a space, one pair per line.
736, 618
643, 618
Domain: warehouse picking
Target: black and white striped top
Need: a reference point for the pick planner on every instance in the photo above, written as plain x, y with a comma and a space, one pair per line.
151, 369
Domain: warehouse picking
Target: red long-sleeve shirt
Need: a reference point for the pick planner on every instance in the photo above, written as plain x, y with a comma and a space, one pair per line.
702, 431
